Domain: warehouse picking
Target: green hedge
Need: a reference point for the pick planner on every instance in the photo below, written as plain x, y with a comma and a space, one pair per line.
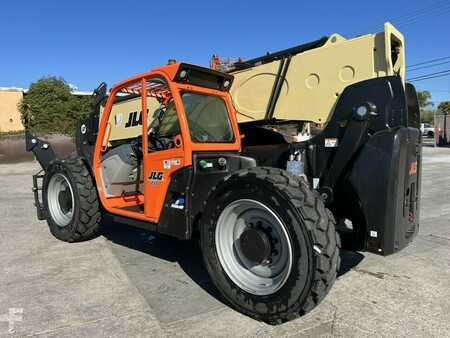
50, 107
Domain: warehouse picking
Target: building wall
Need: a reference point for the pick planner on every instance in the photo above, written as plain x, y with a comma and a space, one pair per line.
9, 114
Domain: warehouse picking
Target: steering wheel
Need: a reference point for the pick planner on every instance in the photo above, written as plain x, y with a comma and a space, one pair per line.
159, 142
154, 144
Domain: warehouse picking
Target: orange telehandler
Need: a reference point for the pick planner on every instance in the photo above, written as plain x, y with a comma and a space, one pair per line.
270, 163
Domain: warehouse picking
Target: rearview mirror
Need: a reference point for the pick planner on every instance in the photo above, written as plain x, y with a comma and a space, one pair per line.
99, 94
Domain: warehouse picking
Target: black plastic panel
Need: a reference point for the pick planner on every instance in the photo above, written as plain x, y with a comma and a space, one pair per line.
194, 184
42, 150
174, 220
204, 179
386, 178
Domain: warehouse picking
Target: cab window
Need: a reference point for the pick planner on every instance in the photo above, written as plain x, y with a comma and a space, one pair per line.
207, 117
169, 125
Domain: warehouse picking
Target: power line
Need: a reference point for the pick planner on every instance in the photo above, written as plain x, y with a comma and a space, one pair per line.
421, 10
435, 12
429, 76
436, 9
428, 66
428, 62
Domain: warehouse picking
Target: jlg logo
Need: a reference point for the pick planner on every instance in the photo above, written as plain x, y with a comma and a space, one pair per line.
156, 177
133, 119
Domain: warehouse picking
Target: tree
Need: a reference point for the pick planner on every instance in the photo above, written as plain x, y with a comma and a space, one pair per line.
50, 107
444, 108
427, 116
424, 97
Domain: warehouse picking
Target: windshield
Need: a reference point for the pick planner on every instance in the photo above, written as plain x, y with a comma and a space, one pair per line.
207, 117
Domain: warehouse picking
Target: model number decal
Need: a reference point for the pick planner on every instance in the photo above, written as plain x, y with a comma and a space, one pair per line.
331, 142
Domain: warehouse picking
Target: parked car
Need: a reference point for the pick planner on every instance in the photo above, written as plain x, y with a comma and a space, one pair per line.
427, 129
442, 130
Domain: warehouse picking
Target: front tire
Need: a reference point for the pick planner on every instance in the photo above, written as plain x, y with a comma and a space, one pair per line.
71, 201
253, 219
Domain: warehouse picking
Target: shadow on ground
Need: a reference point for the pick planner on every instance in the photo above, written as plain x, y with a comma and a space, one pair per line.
186, 253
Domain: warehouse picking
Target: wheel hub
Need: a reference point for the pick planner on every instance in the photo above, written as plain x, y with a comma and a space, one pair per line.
255, 245
65, 201
60, 199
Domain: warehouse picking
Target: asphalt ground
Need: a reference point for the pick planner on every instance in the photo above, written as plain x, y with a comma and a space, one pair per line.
129, 282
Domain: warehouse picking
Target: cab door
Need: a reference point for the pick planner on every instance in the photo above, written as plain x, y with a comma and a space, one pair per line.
165, 152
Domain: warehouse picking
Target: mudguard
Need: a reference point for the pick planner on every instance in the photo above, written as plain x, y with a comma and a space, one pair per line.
387, 177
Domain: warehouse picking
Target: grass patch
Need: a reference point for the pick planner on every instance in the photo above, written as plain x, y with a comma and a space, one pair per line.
12, 133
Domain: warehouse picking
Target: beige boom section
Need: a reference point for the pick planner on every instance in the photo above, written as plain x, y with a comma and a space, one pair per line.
316, 78
125, 116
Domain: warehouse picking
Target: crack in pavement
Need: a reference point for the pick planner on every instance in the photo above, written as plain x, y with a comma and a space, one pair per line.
439, 237
379, 274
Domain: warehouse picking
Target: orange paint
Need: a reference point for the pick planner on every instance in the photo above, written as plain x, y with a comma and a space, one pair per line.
158, 166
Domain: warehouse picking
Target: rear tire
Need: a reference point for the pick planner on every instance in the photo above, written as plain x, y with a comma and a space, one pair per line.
312, 239
71, 201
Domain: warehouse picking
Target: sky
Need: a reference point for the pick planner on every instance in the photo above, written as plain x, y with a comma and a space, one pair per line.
87, 42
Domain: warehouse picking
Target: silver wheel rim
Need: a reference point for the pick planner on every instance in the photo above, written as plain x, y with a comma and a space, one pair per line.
60, 199
257, 279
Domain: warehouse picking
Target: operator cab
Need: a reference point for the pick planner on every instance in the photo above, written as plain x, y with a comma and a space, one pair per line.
187, 112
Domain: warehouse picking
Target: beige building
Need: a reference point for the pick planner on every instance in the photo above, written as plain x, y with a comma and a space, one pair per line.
9, 113
10, 97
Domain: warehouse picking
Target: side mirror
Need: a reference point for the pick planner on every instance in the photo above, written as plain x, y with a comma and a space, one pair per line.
99, 95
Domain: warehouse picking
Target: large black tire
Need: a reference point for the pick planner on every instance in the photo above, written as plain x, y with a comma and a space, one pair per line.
311, 230
83, 218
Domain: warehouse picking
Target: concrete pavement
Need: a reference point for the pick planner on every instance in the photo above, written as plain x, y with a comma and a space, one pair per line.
130, 282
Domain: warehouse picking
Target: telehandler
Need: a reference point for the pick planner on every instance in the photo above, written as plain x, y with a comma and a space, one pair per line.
269, 163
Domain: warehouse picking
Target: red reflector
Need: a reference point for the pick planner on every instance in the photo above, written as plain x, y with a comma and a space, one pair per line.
413, 169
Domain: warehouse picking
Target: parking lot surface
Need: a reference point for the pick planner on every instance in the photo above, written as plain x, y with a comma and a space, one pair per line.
130, 282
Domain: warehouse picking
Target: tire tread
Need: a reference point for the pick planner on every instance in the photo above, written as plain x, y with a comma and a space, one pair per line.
320, 225
86, 226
